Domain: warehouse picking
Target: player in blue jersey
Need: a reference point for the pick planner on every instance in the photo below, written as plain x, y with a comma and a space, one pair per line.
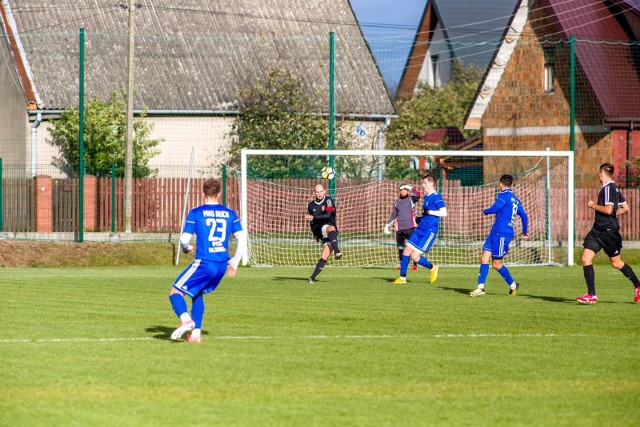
422, 239
605, 234
213, 225
505, 208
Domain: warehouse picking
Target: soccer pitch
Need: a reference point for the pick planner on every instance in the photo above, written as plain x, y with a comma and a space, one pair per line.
89, 346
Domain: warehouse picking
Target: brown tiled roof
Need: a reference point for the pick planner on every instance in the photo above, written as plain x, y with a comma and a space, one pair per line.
612, 70
194, 55
451, 136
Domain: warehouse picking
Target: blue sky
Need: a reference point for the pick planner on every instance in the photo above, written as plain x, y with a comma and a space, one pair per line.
389, 26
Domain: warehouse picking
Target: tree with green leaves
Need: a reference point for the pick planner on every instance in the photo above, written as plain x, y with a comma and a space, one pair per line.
104, 139
430, 108
276, 113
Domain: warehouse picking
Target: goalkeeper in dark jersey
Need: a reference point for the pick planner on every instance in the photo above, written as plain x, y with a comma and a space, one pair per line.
322, 219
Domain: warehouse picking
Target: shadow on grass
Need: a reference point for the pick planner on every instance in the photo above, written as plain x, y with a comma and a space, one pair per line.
298, 279
562, 300
164, 332
547, 298
463, 291
565, 300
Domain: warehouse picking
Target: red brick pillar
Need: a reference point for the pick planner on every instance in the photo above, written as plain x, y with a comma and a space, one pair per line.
90, 203
44, 204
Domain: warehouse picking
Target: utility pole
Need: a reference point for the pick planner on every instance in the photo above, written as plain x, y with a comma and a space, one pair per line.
128, 145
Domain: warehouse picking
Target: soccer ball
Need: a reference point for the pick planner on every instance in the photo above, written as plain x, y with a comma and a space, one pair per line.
328, 173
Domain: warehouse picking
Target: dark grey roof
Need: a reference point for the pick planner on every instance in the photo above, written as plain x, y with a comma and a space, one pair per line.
474, 29
196, 54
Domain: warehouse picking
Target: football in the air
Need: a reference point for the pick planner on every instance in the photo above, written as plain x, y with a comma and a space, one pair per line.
328, 173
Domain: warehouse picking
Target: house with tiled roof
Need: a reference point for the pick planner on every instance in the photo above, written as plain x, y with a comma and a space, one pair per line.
524, 101
192, 59
452, 30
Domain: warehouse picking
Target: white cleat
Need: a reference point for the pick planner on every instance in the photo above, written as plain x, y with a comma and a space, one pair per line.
184, 327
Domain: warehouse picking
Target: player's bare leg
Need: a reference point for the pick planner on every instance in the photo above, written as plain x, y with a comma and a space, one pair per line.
326, 251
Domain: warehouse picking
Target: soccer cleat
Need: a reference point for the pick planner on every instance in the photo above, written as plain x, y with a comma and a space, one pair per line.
338, 255
637, 297
312, 280
587, 299
477, 292
400, 281
514, 292
191, 338
414, 268
184, 327
433, 275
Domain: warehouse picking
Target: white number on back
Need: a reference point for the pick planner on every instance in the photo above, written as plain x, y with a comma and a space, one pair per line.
217, 229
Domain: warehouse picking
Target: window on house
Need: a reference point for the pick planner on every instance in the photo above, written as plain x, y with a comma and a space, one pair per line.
549, 68
435, 67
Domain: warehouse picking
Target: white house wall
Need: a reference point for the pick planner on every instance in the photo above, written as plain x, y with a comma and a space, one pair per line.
437, 46
207, 135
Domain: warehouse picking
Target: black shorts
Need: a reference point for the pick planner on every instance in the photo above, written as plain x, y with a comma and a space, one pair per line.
608, 240
403, 235
317, 233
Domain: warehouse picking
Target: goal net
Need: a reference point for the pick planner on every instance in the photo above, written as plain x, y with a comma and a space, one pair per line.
277, 186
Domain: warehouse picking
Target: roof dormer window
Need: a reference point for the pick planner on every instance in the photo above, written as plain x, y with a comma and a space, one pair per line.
549, 68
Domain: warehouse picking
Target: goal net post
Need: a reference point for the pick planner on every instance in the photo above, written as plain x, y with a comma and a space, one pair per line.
277, 186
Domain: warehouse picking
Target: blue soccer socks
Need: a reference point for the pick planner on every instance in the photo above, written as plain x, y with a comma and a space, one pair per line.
404, 264
425, 263
504, 272
197, 310
482, 275
178, 303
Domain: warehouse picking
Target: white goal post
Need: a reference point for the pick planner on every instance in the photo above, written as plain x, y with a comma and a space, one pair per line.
277, 185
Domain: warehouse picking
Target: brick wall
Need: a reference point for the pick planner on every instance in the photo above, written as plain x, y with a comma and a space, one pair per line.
522, 116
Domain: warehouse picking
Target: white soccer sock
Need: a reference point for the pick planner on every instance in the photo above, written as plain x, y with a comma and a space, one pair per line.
185, 317
195, 333
512, 286
481, 286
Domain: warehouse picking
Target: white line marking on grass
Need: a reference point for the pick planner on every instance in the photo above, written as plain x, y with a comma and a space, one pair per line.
504, 335
307, 337
38, 340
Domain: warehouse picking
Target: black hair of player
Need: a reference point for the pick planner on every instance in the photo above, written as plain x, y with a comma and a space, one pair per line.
506, 180
607, 168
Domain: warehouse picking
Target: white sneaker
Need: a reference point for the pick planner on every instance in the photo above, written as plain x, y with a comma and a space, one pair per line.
184, 327
477, 292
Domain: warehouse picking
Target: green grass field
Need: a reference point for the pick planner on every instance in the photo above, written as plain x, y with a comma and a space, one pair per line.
89, 347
